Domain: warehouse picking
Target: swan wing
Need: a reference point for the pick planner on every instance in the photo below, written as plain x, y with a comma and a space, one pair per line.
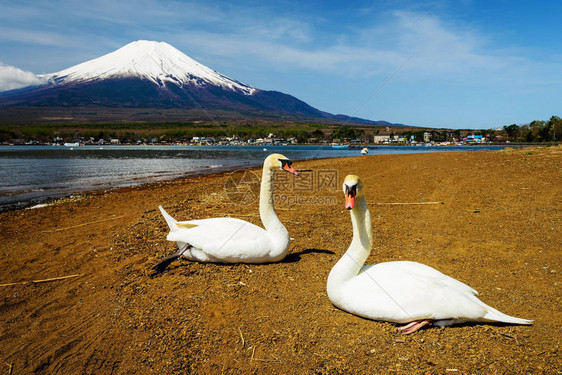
223, 239
406, 291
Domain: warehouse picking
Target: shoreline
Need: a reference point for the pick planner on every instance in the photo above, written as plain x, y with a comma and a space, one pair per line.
43, 202
46, 194
496, 229
29, 203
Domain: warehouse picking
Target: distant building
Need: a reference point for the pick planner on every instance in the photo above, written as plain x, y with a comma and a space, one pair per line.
474, 139
381, 138
388, 138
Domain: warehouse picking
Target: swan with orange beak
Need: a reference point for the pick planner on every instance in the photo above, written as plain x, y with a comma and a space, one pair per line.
401, 292
230, 240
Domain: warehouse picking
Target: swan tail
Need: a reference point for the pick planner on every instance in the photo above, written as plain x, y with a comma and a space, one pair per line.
170, 220
497, 316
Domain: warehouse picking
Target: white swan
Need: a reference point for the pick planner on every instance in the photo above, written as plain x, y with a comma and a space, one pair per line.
230, 240
400, 292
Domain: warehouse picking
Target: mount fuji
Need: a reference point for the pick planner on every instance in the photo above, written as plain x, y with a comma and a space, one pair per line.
154, 75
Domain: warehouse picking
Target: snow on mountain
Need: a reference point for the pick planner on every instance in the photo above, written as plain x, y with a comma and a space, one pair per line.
158, 62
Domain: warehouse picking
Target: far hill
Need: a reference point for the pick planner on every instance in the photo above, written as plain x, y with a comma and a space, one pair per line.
153, 81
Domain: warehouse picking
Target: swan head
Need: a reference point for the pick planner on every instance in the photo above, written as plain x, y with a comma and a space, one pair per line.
352, 188
278, 162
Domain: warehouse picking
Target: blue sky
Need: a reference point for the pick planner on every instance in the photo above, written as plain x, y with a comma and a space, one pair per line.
456, 64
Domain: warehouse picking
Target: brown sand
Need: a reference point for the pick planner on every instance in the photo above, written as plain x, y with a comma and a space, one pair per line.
497, 229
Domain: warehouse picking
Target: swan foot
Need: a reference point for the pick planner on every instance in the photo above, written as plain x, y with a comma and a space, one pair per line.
414, 326
164, 263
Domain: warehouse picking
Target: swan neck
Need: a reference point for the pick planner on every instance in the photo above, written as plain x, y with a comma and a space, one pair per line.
362, 230
267, 210
351, 262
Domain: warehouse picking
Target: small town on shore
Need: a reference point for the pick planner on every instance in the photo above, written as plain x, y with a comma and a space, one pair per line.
269, 140
294, 134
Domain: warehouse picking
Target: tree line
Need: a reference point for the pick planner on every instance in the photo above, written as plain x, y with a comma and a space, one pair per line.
169, 132
536, 131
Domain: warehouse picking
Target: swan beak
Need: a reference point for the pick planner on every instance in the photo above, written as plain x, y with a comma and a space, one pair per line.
289, 168
349, 201
350, 193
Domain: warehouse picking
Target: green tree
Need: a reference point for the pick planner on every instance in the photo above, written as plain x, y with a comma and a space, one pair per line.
318, 134
346, 132
555, 126
513, 132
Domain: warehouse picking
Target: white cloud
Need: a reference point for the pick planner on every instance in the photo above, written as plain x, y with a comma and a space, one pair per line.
443, 50
35, 37
365, 50
14, 78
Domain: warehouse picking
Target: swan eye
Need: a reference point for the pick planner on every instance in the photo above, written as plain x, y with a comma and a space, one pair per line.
285, 162
351, 190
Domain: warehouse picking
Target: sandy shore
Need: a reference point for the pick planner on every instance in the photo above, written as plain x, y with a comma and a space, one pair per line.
490, 219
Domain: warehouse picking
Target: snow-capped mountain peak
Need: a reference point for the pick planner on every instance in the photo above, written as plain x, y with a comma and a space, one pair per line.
158, 62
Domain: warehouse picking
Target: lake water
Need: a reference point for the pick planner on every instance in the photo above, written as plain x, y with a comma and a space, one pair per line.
32, 174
